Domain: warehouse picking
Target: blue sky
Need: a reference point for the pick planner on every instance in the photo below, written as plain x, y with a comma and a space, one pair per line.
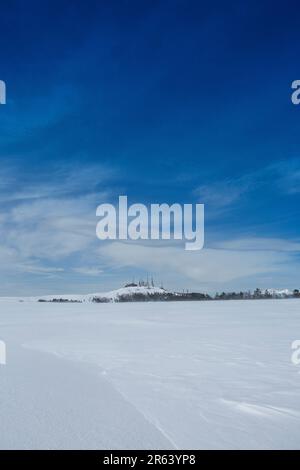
165, 101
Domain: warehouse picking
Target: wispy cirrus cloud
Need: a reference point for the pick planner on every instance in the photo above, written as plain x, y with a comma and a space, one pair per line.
88, 271
288, 175
283, 175
260, 244
56, 181
221, 194
47, 221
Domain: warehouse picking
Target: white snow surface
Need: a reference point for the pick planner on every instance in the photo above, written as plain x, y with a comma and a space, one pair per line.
153, 375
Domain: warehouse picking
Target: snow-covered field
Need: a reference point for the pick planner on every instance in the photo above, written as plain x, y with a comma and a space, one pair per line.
194, 375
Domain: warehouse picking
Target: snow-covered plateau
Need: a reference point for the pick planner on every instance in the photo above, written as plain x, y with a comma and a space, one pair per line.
153, 375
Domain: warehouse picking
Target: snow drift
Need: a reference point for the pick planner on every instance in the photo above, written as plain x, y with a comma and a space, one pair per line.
193, 375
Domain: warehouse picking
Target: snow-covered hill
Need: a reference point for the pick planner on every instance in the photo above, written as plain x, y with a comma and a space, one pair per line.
123, 292
140, 292
111, 296
143, 293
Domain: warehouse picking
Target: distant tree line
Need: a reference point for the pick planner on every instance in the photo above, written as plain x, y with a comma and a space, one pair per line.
161, 296
188, 296
257, 294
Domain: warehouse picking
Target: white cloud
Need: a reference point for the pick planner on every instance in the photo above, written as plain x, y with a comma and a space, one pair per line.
88, 271
208, 266
260, 244
35, 269
46, 222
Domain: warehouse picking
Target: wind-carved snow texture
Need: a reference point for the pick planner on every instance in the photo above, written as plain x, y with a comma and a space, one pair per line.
192, 375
